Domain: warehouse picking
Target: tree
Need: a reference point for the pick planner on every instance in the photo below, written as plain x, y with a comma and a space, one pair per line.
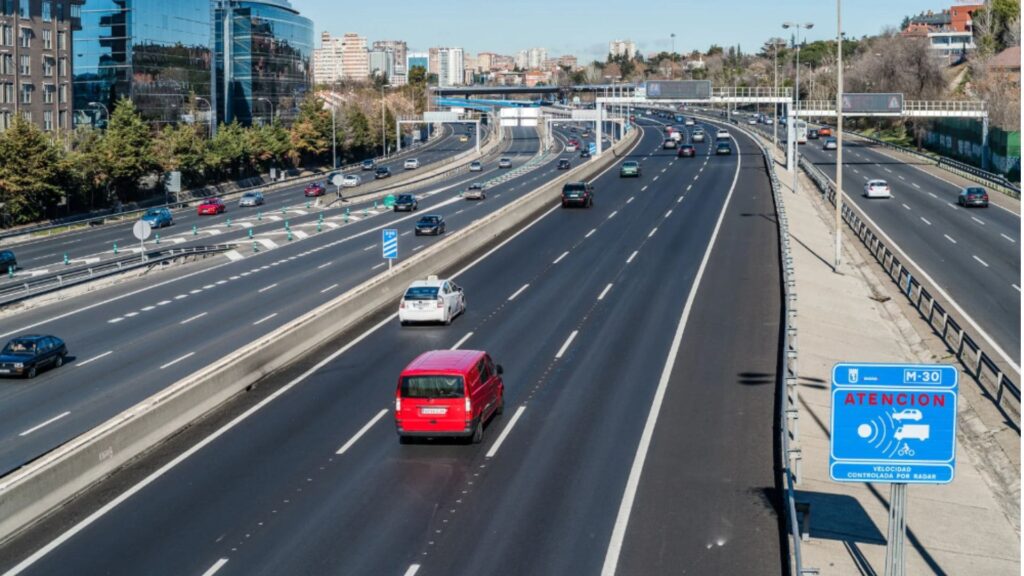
228, 151
124, 155
359, 138
34, 173
311, 132
270, 145
181, 148
417, 75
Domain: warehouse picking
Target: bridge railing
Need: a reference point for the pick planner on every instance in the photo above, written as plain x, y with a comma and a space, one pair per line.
751, 92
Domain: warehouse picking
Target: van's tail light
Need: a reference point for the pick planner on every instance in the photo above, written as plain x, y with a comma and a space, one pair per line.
469, 406
398, 404
440, 302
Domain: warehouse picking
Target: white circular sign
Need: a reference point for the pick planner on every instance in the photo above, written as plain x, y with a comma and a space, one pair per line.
337, 180
142, 229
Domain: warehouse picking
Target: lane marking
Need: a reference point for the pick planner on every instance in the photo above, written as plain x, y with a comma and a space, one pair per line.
196, 317
925, 220
420, 247
413, 569
907, 207
591, 233
518, 292
375, 266
652, 232
631, 256
370, 247
264, 319
461, 341
176, 360
95, 358
932, 194
265, 288
1008, 238
612, 215
655, 179
565, 346
504, 433
148, 308
324, 265
216, 566
361, 431
978, 220
644, 189
950, 238
611, 559
630, 199
559, 259
667, 214
887, 170
329, 288
44, 424
604, 292
983, 263
1015, 286
114, 320
131, 314
678, 200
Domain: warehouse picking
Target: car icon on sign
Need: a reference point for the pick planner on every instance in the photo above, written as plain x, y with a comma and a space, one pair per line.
907, 414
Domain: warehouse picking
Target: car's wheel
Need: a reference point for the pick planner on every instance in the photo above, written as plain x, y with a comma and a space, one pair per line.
448, 319
59, 361
31, 372
478, 432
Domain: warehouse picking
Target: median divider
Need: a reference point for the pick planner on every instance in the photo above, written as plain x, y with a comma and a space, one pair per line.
40, 486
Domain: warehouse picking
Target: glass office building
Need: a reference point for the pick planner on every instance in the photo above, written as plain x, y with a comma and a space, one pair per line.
268, 48
162, 53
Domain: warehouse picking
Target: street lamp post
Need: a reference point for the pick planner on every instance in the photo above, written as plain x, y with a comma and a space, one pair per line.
839, 132
268, 101
105, 109
210, 120
775, 105
383, 124
796, 99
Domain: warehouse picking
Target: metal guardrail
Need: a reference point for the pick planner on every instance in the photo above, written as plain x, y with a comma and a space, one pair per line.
989, 375
39, 285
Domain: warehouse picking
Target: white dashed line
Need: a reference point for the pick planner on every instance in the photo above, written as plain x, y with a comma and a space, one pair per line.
978, 220
667, 214
980, 261
655, 179
932, 194
628, 200
925, 220
44, 424
950, 238
114, 320
1008, 238
644, 189
95, 358
631, 256
887, 170
518, 292
461, 341
568, 341
216, 566
1016, 287
914, 184
559, 259
652, 232
370, 247
420, 247
329, 288
591, 233
907, 207
148, 308
264, 319
324, 265
362, 431
374, 267
196, 317
901, 177
176, 360
612, 215
688, 186
181, 296
163, 302
265, 288
504, 433
131, 314
604, 292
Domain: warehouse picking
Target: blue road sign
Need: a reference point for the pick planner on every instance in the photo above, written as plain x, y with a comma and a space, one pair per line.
389, 241
893, 423
592, 147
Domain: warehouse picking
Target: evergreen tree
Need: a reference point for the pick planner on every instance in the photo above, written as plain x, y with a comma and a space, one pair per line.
124, 155
34, 173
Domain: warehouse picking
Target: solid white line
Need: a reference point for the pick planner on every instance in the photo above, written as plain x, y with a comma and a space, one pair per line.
413, 569
504, 433
135, 489
216, 566
983, 263
95, 358
950, 238
175, 361
1008, 238
559, 259
518, 292
461, 341
329, 288
264, 319
612, 215
196, 317
324, 265
611, 559
925, 220
604, 292
48, 422
631, 256
591, 233
265, 288
652, 232
565, 346
362, 431
978, 220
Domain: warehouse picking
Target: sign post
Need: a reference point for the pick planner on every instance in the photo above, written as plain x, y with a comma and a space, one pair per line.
142, 230
389, 244
894, 423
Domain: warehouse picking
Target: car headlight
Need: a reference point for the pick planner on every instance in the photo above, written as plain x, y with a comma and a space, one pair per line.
19, 365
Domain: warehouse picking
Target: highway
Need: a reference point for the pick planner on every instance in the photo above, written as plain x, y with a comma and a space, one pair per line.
971, 254
46, 254
637, 437
137, 337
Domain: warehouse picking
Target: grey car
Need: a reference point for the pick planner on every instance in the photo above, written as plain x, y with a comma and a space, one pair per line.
251, 199
505, 163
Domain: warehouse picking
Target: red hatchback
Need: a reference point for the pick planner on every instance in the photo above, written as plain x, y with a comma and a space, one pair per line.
315, 189
212, 206
448, 393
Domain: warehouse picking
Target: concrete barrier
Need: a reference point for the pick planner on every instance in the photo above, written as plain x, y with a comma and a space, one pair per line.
44, 484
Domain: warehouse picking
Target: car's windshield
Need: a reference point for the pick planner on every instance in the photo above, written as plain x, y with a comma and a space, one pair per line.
153, 212
405, 198
973, 191
574, 187
428, 220
432, 387
20, 347
249, 195
421, 293
629, 164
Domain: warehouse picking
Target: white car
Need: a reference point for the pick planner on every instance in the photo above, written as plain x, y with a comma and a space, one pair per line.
877, 189
752, 120
351, 181
431, 300
411, 164
722, 134
769, 121
698, 135
689, 122
907, 414
505, 163
475, 166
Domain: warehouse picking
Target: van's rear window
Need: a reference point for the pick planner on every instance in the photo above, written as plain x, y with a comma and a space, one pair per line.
432, 387
421, 293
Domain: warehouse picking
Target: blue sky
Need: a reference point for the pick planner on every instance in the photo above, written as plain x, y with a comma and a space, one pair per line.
584, 27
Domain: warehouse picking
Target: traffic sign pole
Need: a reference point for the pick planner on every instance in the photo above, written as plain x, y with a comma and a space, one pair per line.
895, 561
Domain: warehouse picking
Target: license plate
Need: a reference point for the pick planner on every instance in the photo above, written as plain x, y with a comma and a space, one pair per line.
433, 411
4, 371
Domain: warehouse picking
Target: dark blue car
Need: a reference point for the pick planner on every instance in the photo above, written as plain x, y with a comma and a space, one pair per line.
431, 224
158, 217
26, 355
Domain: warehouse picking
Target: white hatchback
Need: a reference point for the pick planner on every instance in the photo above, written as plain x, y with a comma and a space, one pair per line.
877, 189
722, 134
351, 181
411, 164
431, 300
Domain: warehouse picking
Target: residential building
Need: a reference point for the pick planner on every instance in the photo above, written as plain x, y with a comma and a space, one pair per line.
382, 63
355, 60
421, 59
327, 60
485, 61
191, 60
434, 61
451, 67
400, 49
950, 33
36, 62
537, 77
626, 48
569, 61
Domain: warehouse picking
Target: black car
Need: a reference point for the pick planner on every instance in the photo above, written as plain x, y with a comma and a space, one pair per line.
382, 172
723, 148
26, 355
577, 194
430, 224
585, 153
7, 261
812, 134
686, 150
973, 196
564, 164
406, 202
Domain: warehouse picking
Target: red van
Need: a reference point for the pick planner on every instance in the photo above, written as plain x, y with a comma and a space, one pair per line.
448, 393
